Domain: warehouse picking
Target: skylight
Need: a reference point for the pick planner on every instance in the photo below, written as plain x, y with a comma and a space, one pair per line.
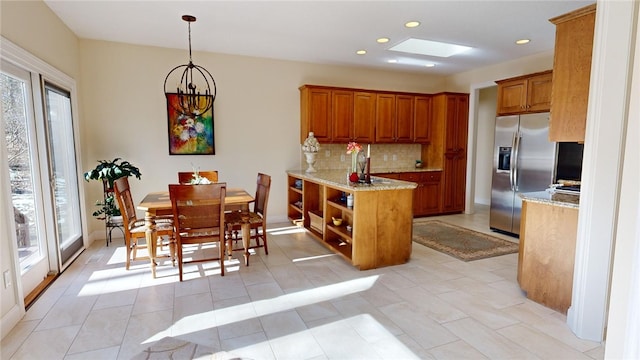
430, 48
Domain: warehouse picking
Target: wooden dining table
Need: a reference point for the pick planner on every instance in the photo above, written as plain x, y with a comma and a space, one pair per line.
159, 203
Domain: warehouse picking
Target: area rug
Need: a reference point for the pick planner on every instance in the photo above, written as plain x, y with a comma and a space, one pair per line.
461, 243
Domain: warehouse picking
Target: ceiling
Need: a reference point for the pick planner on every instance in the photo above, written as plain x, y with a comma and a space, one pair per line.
327, 32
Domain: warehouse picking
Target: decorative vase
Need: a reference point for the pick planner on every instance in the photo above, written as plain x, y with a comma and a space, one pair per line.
311, 160
362, 164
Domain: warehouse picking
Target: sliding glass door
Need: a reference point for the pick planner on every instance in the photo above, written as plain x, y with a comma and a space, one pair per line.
63, 170
24, 171
40, 157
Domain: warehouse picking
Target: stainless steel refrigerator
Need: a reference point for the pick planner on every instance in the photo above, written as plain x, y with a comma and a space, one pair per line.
524, 161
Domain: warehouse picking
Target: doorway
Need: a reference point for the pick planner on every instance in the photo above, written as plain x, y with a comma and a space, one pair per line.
40, 159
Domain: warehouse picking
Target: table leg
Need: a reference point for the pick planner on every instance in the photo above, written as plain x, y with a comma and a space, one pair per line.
152, 239
246, 236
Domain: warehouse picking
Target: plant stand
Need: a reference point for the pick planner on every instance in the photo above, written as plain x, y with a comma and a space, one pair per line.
110, 222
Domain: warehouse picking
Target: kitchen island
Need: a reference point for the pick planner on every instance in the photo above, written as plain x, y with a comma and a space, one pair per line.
377, 218
548, 233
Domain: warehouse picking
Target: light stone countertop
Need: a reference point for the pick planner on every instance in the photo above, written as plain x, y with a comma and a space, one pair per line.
338, 179
566, 200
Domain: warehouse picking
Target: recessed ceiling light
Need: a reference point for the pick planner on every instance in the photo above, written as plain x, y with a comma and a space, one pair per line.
412, 24
522, 41
429, 48
429, 65
382, 40
392, 61
361, 52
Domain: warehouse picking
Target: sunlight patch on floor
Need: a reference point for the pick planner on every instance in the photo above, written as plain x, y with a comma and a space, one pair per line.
206, 320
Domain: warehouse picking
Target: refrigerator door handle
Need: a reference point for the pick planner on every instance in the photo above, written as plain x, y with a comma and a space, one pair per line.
512, 162
516, 150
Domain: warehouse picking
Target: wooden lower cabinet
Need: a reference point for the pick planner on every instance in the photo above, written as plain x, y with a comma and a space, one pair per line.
547, 249
427, 197
381, 221
454, 183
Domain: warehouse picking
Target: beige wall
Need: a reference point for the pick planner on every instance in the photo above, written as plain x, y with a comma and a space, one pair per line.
32, 26
526, 65
486, 122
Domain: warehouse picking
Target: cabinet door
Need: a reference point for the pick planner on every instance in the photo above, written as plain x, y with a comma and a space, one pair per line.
404, 118
385, 118
422, 119
457, 112
342, 115
454, 183
539, 93
316, 109
431, 198
364, 117
512, 96
571, 76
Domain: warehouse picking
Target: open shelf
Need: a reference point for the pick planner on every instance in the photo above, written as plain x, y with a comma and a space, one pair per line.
341, 231
342, 247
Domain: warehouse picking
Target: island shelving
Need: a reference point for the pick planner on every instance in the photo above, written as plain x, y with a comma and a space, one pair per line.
380, 220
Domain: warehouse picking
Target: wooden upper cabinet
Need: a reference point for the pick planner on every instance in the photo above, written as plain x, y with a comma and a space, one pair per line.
364, 116
456, 112
422, 119
315, 113
571, 74
525, 94
404, 118
385, 118
394, 118
342, 115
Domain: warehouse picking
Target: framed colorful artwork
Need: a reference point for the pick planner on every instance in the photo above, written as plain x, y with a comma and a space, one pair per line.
189, 135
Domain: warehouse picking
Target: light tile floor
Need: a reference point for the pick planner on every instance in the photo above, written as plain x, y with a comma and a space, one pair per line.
298, 302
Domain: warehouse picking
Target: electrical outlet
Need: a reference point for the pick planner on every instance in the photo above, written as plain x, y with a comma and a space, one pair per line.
7, 278
394, 157
342, 158
386, 157
327, 153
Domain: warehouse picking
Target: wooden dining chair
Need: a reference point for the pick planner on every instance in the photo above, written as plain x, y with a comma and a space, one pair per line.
258, 216
198, 218
135, 229
186, 177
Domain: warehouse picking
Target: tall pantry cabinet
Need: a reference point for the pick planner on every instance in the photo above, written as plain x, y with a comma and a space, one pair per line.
452, 110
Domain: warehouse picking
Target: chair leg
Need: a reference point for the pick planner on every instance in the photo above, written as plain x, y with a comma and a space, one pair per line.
222, 254
134, 248
264, 240
127, 244
172, 250
179, 260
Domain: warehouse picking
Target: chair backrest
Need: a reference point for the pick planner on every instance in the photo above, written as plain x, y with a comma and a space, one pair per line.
125, 201
186, 177
262, 194
198, 210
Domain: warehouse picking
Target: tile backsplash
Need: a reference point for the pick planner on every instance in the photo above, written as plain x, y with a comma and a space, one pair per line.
383, 156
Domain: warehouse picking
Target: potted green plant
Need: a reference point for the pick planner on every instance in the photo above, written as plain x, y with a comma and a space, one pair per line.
108, 172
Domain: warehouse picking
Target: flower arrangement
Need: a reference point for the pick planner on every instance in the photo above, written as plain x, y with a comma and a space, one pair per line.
354, 148
311, 144
197, 179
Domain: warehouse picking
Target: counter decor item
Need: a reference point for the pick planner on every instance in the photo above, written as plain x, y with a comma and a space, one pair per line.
310, 147
362, 166
354, 149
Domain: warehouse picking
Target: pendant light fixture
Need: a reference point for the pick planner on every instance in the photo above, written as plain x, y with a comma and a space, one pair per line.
196, 88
